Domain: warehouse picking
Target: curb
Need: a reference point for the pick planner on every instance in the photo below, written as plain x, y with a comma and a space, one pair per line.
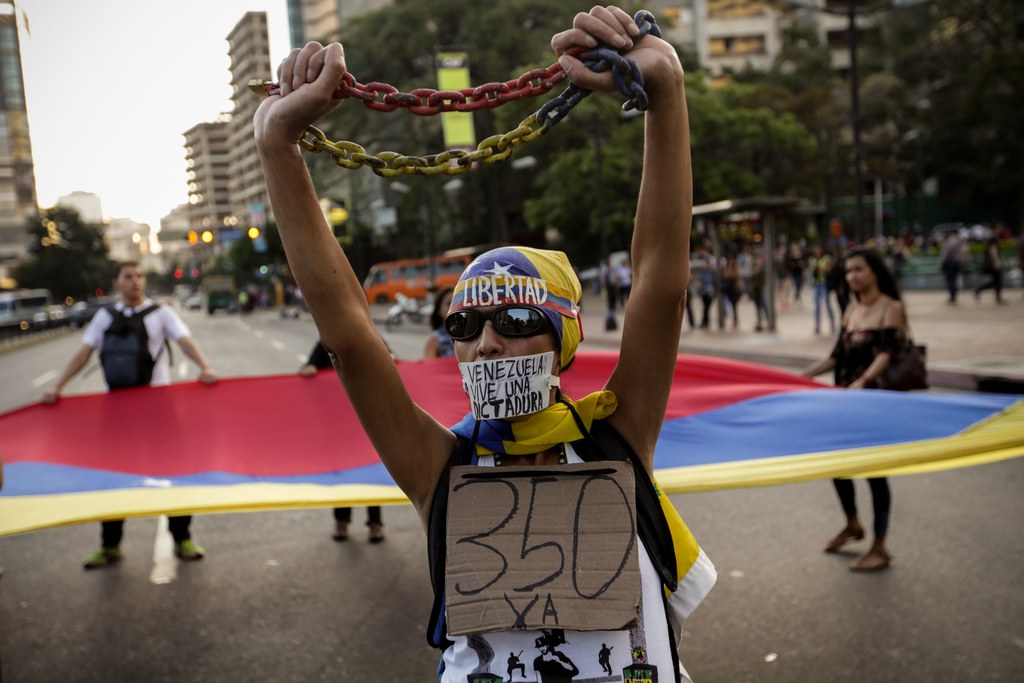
33, 338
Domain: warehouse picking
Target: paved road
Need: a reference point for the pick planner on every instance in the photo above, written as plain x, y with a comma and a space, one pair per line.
277, 600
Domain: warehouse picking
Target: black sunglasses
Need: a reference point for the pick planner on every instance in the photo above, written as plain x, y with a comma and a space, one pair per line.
510, 321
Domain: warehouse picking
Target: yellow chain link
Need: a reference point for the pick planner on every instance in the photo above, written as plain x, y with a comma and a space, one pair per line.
452, 162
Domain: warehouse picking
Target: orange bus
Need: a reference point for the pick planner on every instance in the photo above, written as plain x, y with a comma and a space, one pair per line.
411, 277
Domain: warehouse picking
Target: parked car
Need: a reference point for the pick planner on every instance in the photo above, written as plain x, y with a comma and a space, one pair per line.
83, 311
194, 302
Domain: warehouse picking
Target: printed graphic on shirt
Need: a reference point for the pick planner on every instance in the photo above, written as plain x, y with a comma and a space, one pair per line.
556, 656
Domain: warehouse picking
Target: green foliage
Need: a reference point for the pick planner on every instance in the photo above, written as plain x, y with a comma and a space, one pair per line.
67, 256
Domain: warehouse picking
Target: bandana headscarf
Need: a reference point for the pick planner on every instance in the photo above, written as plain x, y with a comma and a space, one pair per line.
533, 277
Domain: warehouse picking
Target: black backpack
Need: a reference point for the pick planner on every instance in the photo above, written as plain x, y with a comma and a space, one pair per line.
124, 354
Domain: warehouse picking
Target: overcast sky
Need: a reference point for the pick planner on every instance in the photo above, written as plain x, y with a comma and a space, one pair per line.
111, 86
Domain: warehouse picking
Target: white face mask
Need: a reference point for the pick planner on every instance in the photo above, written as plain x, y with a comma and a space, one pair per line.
509, 387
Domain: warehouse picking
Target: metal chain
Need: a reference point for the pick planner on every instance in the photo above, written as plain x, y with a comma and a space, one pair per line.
426, 102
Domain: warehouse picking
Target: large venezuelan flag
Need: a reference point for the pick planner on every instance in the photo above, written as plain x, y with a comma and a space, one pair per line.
285, 441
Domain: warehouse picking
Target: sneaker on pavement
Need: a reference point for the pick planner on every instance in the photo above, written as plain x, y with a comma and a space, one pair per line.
188, 550
104, 557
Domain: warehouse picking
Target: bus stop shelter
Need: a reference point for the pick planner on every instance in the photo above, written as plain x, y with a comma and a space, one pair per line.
762, 212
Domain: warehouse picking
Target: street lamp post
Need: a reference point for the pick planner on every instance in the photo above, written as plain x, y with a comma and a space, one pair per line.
858, 181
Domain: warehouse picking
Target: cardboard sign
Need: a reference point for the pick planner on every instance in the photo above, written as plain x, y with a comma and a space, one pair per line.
542, 548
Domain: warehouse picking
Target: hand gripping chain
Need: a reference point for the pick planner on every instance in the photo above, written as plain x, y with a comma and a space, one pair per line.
426, 102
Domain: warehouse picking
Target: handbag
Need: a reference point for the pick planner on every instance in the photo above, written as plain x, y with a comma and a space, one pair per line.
907, 369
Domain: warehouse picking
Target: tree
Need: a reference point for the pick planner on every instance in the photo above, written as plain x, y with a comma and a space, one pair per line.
963, 63
67, 256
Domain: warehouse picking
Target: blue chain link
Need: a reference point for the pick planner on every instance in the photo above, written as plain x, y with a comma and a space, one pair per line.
625, 75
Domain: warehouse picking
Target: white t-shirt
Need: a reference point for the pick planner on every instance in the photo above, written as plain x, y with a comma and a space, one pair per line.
161, 325
514, 655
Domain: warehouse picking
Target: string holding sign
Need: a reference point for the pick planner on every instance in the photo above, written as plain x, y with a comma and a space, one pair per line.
427, 102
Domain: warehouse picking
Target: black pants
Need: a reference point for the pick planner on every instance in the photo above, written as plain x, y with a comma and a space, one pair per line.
881, 501
112, 530
951, 271
995, 282
706, 300
345, 514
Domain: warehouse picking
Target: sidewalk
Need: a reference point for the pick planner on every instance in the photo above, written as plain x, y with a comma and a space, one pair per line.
971, 346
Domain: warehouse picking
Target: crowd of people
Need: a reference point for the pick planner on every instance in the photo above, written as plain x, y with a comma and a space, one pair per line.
719, 285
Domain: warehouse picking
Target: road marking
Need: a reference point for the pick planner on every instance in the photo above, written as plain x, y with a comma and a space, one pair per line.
44, 378
277, 345
183, 370
165, 564
259, 334
301, 357
245, 326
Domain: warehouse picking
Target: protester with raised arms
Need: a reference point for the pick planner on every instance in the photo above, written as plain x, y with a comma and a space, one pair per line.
515, 322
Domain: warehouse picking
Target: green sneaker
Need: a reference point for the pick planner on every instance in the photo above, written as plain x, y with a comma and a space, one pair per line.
188, 550
104, 557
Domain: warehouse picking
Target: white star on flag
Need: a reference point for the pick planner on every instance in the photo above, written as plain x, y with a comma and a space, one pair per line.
497, 269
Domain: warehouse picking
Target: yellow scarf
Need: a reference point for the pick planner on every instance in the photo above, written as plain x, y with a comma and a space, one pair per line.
538, 432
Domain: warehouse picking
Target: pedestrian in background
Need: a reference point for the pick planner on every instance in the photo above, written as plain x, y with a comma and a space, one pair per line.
796, 264
837, 279
732, 287
951, 262
319, 360
874, 328
131, 337
702, 272
821, 267
992, 265
439, 344
757, 291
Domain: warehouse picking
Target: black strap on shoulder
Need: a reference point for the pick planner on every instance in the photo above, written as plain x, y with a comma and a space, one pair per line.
437, 529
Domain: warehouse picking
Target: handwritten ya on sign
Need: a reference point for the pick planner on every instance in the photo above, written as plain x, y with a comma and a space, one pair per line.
542, 547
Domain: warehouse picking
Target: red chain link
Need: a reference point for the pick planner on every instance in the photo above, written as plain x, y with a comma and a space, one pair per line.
428, 102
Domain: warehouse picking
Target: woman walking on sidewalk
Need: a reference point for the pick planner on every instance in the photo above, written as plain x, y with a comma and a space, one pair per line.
873, 328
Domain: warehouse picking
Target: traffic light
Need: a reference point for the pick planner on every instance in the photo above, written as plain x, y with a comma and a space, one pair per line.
193, 237
253, 233
337, 216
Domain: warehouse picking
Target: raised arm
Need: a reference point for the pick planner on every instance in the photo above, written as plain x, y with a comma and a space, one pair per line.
412, 445
661, 234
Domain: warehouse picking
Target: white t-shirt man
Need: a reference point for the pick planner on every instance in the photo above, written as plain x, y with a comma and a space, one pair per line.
161, 325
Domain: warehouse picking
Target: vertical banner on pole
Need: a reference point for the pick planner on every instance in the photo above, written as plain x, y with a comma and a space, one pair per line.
453, 74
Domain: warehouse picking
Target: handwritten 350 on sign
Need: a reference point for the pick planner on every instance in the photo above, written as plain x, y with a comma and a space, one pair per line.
542, 547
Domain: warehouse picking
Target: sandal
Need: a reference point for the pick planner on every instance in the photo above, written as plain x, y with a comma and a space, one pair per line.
873, 561
842, 538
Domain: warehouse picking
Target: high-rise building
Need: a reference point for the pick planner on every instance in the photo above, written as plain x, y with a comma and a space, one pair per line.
17, 176
322, 19
249, 50
206, 157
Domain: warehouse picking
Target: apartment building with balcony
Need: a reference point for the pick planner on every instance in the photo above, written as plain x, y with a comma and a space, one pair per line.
249, 52
209, 175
